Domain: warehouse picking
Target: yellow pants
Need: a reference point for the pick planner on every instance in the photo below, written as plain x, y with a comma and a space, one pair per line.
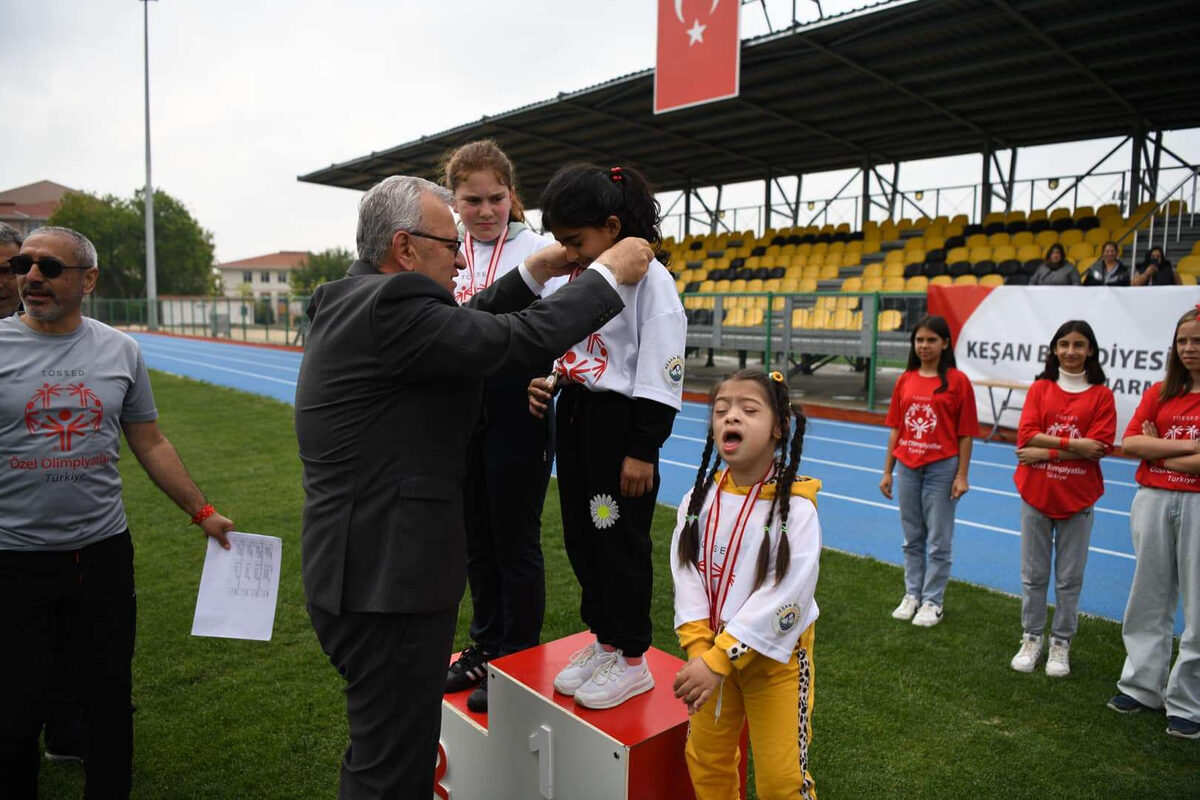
777, 699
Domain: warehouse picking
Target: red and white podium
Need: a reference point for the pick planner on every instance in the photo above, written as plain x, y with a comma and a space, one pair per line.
537, 744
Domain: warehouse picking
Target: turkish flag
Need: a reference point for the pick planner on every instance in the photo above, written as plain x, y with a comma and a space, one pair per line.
699, 53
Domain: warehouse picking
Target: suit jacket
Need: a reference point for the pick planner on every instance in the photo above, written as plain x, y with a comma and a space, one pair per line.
389, 393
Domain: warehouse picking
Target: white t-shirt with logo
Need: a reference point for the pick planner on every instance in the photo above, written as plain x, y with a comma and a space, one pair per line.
519, 244
639, 352
62, 401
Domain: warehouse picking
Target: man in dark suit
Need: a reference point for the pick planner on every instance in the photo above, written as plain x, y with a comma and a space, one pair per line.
389, 393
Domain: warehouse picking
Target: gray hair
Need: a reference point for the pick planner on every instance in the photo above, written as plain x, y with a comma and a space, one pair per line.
85, 251
393, 204
9, 234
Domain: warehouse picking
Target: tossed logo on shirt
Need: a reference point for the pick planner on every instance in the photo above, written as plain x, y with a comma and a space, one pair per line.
64, 413
1191, 431
587, 368
786, 618
463, 288
920, 418
1064, 429
673, 369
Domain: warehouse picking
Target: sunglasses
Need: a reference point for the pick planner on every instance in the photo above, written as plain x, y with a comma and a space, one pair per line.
49, 267
452, 245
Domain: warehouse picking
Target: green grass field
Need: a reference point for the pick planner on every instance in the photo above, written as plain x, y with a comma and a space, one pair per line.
901, 712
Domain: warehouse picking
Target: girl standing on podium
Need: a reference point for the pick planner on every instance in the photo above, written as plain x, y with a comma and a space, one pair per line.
621, 389
509, 464
744, 557
933, 419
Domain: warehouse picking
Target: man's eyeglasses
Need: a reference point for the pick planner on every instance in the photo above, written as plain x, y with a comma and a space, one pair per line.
49, 267
452, 245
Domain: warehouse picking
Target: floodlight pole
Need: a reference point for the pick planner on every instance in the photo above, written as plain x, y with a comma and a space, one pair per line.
148, 199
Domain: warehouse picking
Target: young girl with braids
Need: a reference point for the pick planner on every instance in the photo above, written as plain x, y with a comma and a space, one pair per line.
509, 464
621, 389
744, 558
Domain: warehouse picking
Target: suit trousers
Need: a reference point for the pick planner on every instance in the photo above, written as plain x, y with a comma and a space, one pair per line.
607, 535
78, 604
777, 700
395, 669
508, 471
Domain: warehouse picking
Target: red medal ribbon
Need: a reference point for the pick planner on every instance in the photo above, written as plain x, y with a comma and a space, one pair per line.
493, 263
718, 593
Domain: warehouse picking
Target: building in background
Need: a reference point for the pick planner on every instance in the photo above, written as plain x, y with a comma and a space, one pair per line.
30, 206
261, 276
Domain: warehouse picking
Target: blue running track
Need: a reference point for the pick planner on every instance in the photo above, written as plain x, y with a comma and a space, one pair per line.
847, 457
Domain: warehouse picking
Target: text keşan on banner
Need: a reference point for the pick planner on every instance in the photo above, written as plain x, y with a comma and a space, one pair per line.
699, 53
1003, 334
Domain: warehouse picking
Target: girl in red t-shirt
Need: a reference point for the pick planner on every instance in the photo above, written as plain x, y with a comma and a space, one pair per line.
933, 419
1165, 521
1067, 425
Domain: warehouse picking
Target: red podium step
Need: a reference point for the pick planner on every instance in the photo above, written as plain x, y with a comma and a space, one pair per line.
536, 743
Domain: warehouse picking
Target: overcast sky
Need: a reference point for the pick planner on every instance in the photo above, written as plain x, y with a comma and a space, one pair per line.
248, 94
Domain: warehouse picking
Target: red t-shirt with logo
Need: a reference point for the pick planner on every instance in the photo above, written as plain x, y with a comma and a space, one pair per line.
1061, 489
930, 422
1177, 418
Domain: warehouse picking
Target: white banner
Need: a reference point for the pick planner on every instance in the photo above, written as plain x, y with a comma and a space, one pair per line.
1006, 339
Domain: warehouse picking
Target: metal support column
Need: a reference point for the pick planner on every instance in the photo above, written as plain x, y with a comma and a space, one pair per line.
866, 192
1138, 144
767, 200
985, 183
687, 209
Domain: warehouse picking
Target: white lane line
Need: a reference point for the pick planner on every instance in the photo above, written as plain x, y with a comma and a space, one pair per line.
155, 349
195, 363
208, 346
877, 504
875, 470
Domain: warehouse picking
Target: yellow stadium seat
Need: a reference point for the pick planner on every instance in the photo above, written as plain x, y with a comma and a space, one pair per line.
954, 229
889, 320
980, 254
833, 259
807, 285
842, 320
800, 317
851, 259
977, 240
1108, 210
1038, 214
904, 224
922, 222
795, 273
873, 271
736, 318
893, 271
914, 257
1097, 236
753, 262
789, 285
1079, 251
1083, 211
827, 274
1004, 253
918, 283
872, 246
680, 285
1060, 213
994, 216
852, 285
1014, 216
960, 219
966, 280
889, 234
1189, 265
1029, 252
935, 242
894, 257
820, 248
1189, 279
804, 249
836, 247
811, 272
872, 284
854, 247
1070, 237
957, 254
1021, 239
1044, 239
999, 239
941, 280
893, 284
991, 280
915, 243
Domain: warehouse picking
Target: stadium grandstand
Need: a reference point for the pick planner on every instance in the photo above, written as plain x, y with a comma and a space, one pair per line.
866, 91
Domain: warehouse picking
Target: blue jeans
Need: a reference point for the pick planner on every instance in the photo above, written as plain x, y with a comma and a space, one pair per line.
927, 517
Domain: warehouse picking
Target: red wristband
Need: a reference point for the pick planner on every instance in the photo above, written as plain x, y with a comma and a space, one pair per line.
1053, 454
203, 514
1064, 443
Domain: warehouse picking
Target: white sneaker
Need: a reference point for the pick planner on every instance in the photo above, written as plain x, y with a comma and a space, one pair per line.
579, 668
928, 615
1030, 653
1058, 665
614, 681
907, 607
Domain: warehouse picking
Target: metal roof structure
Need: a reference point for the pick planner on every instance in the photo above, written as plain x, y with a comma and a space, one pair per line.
894, 82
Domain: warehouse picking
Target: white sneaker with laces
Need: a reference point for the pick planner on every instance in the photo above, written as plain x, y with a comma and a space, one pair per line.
614, 681
928, 615
579, 668
1030, 653
907, 607
1058, 665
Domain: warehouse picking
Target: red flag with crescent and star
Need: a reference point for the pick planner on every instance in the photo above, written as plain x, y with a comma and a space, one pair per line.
699, 53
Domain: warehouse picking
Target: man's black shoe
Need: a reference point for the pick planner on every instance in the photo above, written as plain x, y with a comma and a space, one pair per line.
468, 670
477, 700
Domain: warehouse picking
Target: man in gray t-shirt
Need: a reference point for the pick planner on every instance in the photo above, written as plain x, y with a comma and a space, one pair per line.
69, 387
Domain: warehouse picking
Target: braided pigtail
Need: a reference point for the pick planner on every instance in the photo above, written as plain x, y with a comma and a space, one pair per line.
777, 392
783, 489
689, 537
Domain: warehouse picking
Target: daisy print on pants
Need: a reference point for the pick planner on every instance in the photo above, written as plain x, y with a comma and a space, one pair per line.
605, 512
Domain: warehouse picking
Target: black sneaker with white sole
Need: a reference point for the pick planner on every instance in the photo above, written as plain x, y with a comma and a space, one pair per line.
477, 700
468, 670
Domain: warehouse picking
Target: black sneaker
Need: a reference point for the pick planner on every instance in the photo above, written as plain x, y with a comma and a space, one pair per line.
66, 743
1125, 704
468, 670
1176, 726
477, 700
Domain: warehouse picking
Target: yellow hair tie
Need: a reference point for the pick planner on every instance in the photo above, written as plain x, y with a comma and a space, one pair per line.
777, 376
